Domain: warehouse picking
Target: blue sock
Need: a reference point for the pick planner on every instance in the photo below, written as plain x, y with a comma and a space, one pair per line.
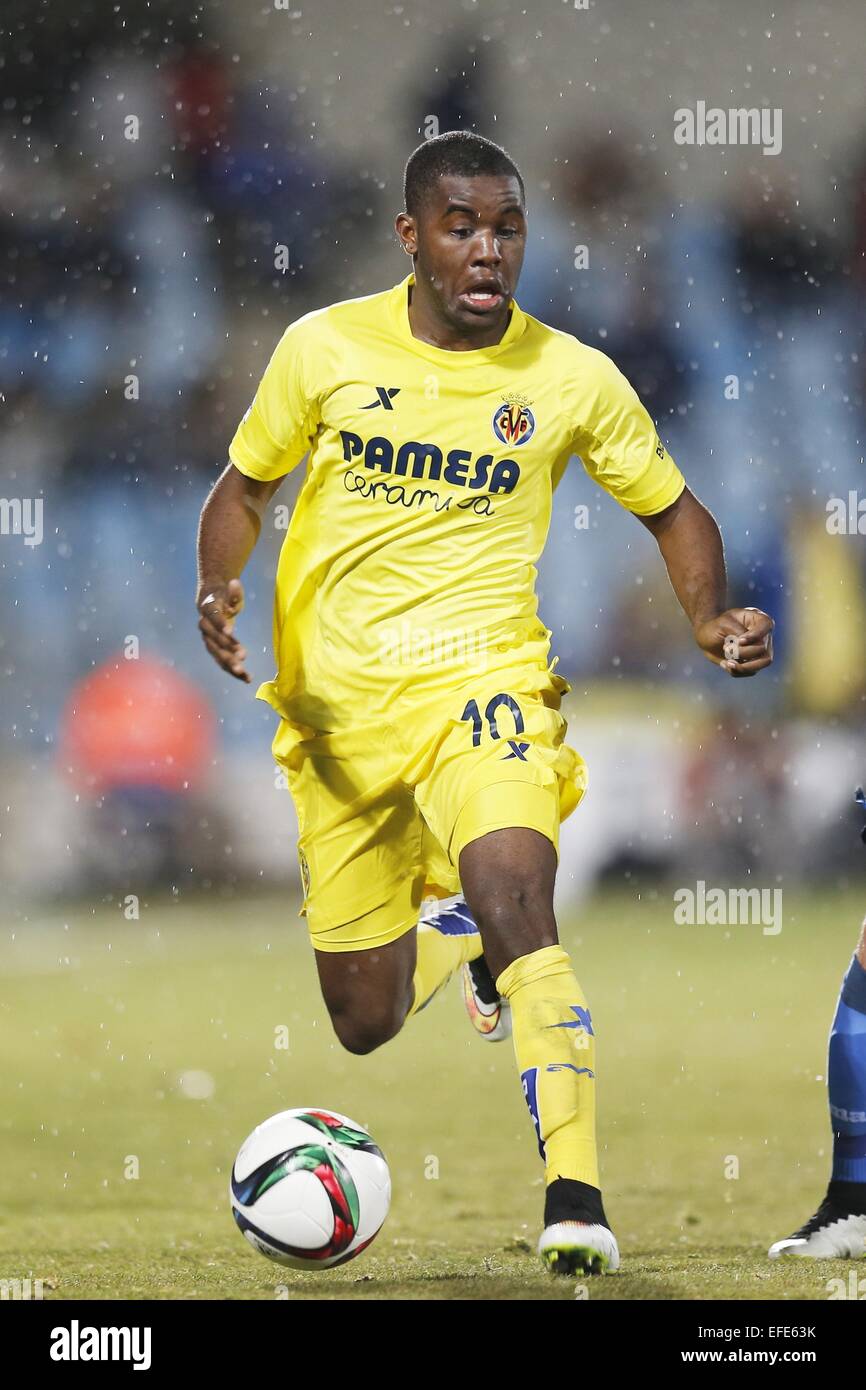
846, 1076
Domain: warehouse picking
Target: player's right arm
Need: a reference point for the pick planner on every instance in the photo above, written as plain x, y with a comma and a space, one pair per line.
231, 521
273, 437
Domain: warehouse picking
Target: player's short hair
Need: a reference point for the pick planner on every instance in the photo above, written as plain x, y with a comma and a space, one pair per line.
455, 152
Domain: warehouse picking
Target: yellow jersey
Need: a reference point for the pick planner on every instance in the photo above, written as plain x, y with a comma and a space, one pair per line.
409, 562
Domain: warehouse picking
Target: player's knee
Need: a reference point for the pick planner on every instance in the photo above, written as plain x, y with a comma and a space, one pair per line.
515, 903
363, 1033
515, 918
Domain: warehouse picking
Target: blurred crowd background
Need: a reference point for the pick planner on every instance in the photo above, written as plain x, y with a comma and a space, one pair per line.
154, 157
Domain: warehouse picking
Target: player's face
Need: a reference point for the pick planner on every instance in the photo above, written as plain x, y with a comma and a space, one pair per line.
469, 238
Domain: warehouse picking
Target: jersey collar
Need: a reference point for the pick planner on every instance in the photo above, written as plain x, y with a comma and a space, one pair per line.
399, 308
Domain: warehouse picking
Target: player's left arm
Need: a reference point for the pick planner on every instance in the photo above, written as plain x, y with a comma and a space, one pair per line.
740, 640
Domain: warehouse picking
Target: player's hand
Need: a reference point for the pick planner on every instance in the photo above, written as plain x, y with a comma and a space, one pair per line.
740, 640
218, 607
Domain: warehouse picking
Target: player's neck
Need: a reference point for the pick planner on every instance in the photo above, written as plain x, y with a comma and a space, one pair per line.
428, 326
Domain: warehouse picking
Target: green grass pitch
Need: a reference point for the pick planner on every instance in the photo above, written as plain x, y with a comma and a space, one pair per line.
711, 1057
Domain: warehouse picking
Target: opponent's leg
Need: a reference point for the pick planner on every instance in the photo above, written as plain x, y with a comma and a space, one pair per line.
846, 1077
838, 1228
508, 877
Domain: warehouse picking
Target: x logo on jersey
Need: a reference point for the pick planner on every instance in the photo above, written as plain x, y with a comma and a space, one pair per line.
384, 396
518, 750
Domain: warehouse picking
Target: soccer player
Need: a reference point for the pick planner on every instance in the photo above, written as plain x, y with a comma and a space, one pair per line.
838, 1228
420, 726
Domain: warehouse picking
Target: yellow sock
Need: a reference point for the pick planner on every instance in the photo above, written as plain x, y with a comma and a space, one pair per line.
440, 953
555, 1050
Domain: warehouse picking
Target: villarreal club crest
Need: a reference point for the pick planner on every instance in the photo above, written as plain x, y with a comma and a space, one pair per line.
513, 421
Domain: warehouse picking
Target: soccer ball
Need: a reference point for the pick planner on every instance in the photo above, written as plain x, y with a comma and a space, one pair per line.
310, 1189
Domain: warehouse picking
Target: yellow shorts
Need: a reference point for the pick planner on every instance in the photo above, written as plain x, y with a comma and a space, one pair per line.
385, 810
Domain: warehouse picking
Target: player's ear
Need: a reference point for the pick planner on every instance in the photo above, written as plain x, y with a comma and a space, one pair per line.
404, 225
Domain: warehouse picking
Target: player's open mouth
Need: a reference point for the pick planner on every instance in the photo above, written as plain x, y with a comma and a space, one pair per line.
488, 298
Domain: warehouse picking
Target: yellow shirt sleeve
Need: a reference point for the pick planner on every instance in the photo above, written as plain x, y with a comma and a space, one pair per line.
280, 425
617, 441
